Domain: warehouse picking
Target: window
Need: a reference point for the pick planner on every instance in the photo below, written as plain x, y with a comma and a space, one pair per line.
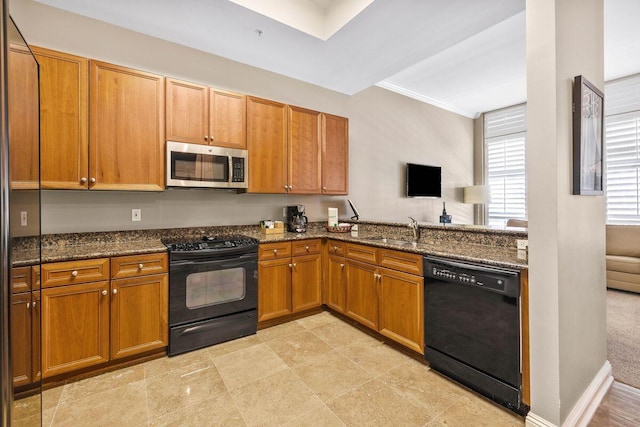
622, 150
504, 148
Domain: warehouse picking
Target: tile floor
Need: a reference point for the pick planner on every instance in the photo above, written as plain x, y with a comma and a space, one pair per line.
317, 371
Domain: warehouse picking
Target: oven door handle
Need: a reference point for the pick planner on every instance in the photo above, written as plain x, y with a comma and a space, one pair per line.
231, 262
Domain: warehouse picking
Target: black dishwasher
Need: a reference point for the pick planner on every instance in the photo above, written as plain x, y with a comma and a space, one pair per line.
472, 327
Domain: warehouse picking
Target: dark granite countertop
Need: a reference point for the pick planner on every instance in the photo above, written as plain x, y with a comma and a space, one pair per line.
465, 243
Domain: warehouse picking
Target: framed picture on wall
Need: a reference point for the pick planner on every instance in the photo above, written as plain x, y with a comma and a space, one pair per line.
588, 128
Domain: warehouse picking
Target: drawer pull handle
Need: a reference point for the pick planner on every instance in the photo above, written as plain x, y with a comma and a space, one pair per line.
140, 266
104, 292
74, 273
115, 291
307, 248
275, 252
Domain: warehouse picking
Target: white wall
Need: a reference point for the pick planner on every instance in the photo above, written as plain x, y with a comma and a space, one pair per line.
566, 233
386, 131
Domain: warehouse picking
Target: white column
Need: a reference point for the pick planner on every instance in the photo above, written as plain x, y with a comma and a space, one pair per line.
566, 232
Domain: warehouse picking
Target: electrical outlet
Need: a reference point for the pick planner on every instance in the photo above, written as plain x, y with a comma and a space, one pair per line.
522, 254
136, 214
23, 218
523, 245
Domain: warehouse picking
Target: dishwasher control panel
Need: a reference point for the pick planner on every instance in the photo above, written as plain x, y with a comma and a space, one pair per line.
491, 278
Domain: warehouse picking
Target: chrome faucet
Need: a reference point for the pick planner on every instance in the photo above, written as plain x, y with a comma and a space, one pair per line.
413, 225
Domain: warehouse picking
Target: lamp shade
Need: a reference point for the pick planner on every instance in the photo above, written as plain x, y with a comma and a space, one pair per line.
477, 194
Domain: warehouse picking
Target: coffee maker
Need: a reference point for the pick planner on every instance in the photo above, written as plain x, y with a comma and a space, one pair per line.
296, 219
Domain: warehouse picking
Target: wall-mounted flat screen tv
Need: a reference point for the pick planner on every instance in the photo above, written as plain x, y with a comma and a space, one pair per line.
424, 180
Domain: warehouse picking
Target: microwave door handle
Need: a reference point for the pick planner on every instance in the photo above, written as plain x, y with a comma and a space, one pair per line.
230, 174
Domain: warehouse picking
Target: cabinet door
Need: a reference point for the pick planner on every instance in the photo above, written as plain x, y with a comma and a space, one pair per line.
274, 289
306, 282
304, 151
187, 112
362, 293
139, 315
75, 327
21, 338
228, 119
401, 308
336, 283
64, 136
36, 316
23, 118
335, 155
267, 145
126, 129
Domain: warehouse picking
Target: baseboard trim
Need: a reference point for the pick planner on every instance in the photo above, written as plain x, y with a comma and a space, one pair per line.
586, 406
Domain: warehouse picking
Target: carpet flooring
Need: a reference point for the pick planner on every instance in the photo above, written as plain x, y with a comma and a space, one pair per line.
623, 336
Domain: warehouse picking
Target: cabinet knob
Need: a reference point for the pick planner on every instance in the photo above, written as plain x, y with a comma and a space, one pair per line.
28, 305
294, 265
93, 180
286, 187
83, 180
140, 266
335, 249
290, 265
341, 265
115, 291
104, 292
74, 273
307, 248
291, 187
206, 138
324, 188
33, 305
275, 252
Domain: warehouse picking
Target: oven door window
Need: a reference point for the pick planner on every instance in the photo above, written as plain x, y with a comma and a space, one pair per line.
199, 167
215, 287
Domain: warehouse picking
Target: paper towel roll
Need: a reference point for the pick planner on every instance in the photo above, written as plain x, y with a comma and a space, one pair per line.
333, 217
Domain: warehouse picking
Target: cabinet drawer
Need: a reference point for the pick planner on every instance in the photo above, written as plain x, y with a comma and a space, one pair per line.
35, 277
306, 247
20, 279
401, 261
276, 250
138, 265
72, 272
362, 253
336, 247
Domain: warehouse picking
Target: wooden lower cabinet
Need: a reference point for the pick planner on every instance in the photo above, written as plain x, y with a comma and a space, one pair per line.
88, 324
21, 338
362, 293
306, 282
335, 283
401, 315
274, 288
75, 327
289, 284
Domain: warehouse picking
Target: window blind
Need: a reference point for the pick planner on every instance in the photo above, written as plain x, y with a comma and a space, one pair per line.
504, 142
622, 150
623, 168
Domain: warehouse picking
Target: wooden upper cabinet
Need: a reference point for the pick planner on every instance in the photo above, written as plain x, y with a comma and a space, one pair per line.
199, 114
227, 119
304, 151
64, 137
187, 112
23, 118
267, 145
126, 130
335, 154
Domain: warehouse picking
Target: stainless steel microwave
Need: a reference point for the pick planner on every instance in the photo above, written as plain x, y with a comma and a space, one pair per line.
194, 165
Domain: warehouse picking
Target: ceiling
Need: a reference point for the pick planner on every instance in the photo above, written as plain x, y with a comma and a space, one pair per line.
462, 55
